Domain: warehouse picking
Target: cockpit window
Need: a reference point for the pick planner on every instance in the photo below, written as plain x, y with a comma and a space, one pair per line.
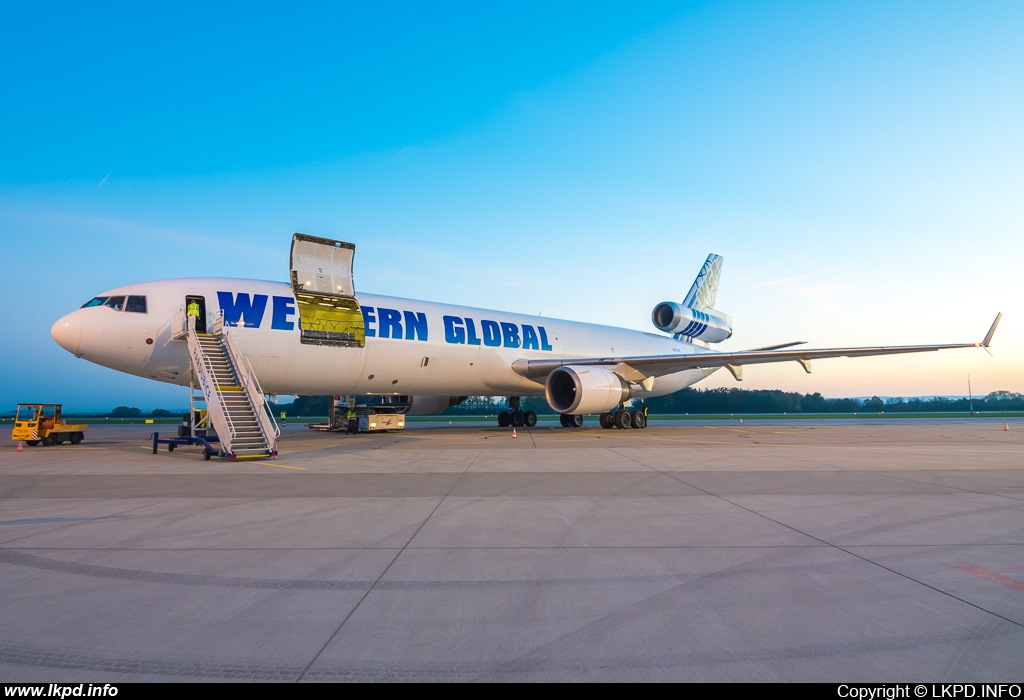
116, 303
95, 301
136, 304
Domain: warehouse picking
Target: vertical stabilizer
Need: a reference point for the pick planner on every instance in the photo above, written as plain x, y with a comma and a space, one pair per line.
705, 288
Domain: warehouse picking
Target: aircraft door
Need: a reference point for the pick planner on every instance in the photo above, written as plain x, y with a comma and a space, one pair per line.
201, 321
321, 277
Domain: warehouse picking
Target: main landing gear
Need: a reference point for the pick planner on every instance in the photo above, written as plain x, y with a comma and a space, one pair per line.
516, 418
624, 419
571, 421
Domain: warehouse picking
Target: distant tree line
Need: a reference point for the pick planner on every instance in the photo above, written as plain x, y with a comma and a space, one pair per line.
726, 401
688, 400
132, 412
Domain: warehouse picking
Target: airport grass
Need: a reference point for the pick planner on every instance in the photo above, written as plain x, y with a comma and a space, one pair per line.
302, 420
745, 416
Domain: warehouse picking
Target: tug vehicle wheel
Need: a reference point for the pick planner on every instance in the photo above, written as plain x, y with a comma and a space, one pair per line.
31, 443
76, 438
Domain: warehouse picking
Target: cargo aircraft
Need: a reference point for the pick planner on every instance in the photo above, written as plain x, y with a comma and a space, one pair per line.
316, 335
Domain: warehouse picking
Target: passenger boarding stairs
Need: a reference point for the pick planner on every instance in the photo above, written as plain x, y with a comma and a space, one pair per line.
234, 400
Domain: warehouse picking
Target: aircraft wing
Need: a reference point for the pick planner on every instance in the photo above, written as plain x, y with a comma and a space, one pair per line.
656, 365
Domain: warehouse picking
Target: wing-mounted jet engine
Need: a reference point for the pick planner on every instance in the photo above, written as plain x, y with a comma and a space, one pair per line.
321, 276
577, 390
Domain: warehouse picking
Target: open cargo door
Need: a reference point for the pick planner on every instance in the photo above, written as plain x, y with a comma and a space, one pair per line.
321, 275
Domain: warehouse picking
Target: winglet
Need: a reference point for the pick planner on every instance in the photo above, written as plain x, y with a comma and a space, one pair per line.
991, 331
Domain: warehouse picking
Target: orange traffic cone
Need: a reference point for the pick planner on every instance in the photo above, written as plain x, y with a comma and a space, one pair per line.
449, 422
741, 421
20, 448
1006, 426
513, 432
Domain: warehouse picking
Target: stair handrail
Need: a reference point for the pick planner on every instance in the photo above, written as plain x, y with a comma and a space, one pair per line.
257, 399
211, 390
179, 324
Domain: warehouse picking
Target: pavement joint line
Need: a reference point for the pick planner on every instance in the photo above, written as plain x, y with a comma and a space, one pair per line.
929, 483
536, 656
842, 549
883, 473
64, 527
385, 571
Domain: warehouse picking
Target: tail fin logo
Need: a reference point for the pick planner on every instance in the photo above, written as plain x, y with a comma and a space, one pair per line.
705, 288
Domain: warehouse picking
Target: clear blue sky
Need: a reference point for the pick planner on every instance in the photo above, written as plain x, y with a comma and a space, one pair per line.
860, 166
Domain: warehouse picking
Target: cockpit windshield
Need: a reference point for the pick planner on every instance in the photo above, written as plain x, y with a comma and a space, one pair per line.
135, 304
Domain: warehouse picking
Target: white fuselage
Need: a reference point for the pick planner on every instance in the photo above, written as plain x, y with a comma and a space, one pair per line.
412, 347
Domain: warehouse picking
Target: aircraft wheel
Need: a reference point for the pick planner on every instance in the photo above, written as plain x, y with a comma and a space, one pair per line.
622, 419
48, 441
529, 419
31, 443
76, 438
607, 421
518, 419
575, 421
639, 420
504, 419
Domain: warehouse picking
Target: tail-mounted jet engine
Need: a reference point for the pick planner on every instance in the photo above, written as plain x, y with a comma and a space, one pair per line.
710, 326
577, 390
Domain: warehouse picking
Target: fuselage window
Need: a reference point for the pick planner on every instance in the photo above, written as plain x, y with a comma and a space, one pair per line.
95, 301
136, 305
116, 303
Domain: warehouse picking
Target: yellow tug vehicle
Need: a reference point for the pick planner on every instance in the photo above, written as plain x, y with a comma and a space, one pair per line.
41, 423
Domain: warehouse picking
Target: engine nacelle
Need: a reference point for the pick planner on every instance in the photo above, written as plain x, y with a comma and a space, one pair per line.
579, 389
428, 405
710, 326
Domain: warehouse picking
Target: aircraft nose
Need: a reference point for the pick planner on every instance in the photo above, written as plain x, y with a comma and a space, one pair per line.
68, 332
